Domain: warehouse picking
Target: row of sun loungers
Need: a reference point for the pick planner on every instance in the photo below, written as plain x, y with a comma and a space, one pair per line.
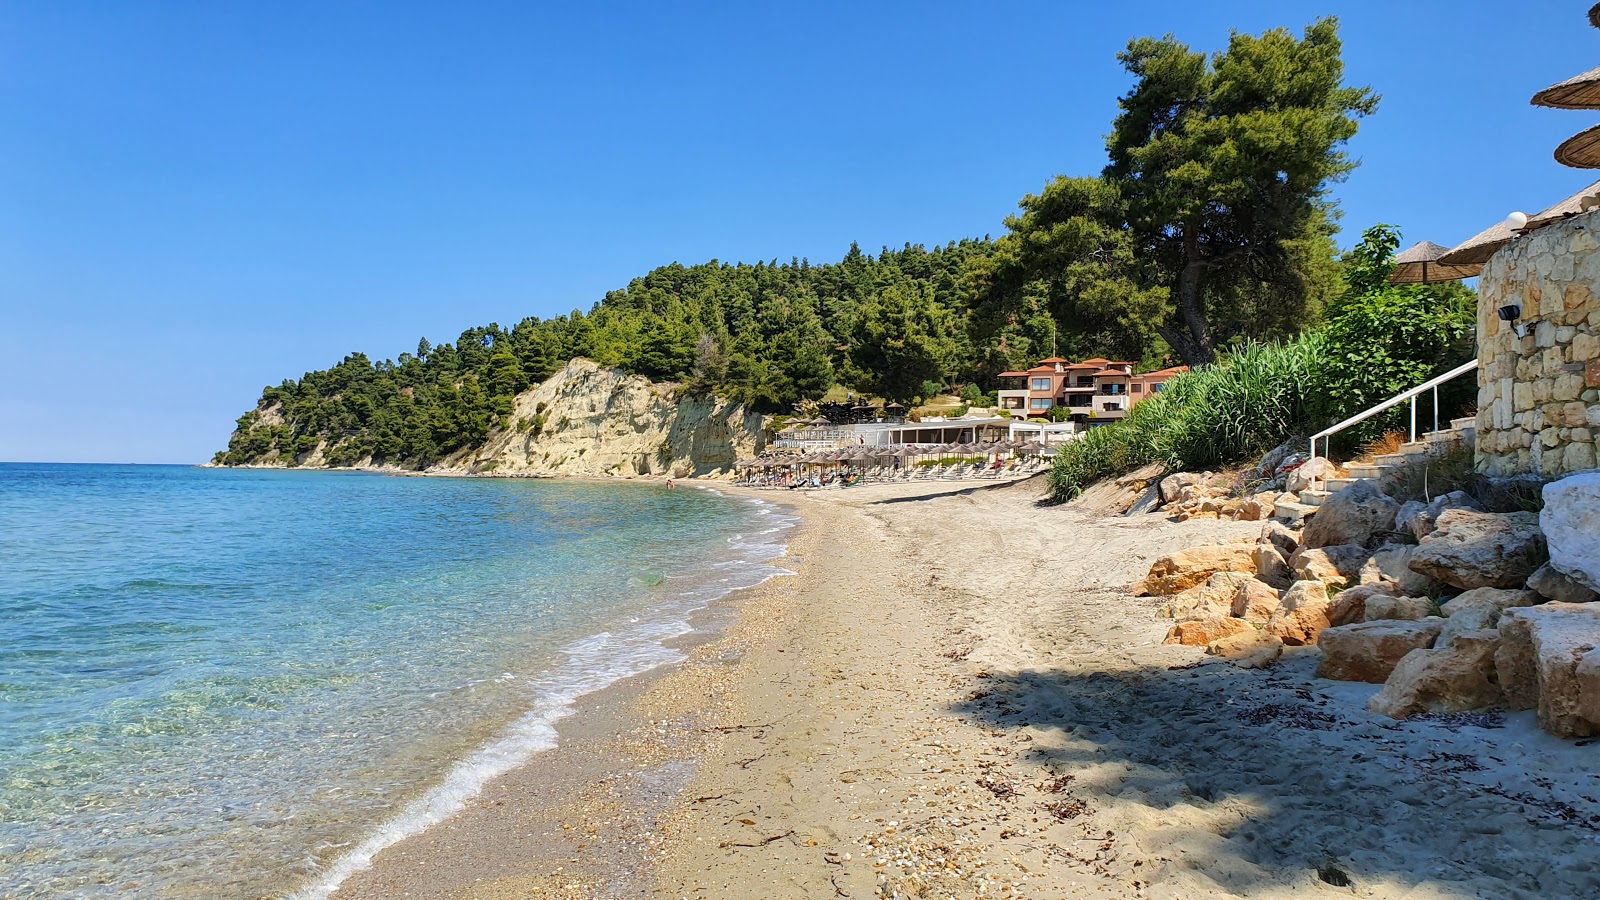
893, 474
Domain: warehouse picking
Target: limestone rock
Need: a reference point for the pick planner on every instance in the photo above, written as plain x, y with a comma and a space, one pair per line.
1203, 630
1271, 567
1552, 585
600, 421
1317, 467
1407, 609
1472, 549
1281, 536
1571, 523
1350, 606
1547, 659
1248, 649
1216, 595
1447, 679
1354, 515
1480, 608
1369, 651
1333, 564
1392, 562
1180, 571
1302, 614
1172, 486
1419, 518
1255, 600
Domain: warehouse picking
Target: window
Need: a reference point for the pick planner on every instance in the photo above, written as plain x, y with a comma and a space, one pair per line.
1138, 389
1113, 407
1156, 388
1040, 403
1085, 381
1112, 390
1041, 384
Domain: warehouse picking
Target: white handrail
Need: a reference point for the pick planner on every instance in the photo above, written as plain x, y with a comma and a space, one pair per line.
1394, 401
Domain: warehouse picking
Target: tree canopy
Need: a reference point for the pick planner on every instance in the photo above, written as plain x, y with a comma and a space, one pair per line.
1211, 220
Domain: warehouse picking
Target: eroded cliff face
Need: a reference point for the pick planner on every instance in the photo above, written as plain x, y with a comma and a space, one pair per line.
591, 420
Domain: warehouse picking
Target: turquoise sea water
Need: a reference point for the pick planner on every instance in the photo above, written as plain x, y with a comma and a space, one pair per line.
222, 683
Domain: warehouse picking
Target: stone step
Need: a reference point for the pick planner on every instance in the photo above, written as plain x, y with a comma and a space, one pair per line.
1359, 472
1335, 485
1309, 497
1388, 459
1463, 423
1291, 512
1417, 448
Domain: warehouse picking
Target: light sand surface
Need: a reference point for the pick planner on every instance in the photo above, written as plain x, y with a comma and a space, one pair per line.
958, 696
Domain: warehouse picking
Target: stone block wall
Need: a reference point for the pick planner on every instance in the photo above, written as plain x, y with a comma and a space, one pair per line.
1539, 395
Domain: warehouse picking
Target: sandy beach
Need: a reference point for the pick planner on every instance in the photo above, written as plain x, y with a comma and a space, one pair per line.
957, 695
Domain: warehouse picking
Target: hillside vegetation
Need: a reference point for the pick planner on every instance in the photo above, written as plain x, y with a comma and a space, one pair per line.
1210, 225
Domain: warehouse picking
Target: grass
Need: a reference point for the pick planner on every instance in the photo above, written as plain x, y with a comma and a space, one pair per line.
1245, 404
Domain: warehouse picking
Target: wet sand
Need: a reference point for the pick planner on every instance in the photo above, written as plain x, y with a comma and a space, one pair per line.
957, 696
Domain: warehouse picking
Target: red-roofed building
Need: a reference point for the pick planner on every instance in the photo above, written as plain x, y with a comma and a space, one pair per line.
1096, 391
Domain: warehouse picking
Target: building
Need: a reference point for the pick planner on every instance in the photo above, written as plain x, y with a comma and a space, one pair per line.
1095, 392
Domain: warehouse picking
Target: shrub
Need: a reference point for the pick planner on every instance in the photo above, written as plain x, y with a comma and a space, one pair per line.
1246, 403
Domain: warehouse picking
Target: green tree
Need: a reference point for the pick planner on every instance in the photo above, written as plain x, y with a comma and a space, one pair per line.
1212, 219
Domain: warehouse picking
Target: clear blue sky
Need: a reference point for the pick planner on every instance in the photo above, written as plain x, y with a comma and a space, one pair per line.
199, 199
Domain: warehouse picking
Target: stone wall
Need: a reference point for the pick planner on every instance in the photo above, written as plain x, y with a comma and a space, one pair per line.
1539, 395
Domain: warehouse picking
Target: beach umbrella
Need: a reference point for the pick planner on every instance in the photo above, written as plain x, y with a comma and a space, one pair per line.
1420, 265
1577, 92
1582, 150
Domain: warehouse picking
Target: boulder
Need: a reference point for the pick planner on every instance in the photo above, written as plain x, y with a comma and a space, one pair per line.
1248, 649
1171, 487
1316, 467
1553, 585
1392, 562
1350, 606
1404, 609
1369, 651
1446, 679
1334, 564
1571, 523
1302, 614
1281, 536
1254, 509
1180, 571
1480, 608
1216, 595
1472, 549
1548, 660
1419, 518
1271, 567
1355, 515
1255, 600
1203, 630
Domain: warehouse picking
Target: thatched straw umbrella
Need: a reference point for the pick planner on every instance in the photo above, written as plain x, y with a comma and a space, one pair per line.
1582, 150
1577, 92
1420, 265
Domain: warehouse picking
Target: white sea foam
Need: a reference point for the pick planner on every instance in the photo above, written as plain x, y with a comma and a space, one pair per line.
593, 663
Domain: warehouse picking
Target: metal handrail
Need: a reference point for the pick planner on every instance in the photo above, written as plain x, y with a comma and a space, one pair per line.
1392, 402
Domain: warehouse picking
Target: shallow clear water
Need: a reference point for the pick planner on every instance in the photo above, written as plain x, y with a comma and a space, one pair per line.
222, 683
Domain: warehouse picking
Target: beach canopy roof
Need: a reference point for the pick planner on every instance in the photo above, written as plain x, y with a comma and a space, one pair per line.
1420, 265
1582, 150
1478, 248
1577, 92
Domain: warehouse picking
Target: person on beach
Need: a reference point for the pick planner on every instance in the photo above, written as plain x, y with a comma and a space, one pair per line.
671, 484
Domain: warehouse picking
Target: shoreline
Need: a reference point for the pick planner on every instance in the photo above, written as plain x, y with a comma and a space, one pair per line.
553, 825
958, 696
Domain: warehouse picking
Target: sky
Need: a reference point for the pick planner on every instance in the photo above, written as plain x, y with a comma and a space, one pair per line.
201, 199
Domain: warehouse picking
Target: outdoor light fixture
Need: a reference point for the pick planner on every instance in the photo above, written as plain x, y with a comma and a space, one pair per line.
1511, 312
1517, 221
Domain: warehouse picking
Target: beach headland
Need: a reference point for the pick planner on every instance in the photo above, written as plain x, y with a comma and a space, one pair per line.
957, 695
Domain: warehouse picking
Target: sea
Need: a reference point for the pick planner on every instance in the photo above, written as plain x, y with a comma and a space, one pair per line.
227, 683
